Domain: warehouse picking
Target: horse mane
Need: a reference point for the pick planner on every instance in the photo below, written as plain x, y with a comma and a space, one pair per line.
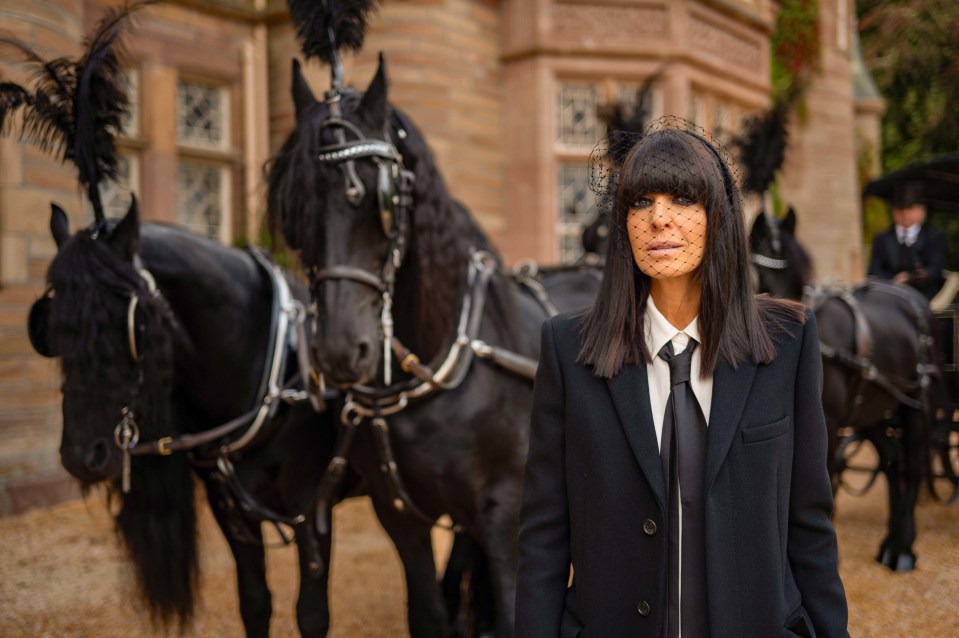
157, 519
92, 286
443, 236
433, 275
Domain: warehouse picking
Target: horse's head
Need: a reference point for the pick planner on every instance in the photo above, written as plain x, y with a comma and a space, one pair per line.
780, 263
101, 318
342, 190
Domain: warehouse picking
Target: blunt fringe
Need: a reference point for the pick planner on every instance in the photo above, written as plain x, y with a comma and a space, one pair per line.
735, 325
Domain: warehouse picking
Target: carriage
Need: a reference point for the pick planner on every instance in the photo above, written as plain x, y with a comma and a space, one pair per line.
945, 434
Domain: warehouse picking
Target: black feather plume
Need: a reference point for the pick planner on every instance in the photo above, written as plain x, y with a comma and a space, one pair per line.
75, 108
625, 123
326, 27
762, 147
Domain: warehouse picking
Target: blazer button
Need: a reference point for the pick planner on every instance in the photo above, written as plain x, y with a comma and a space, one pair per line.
643, 608
649, 526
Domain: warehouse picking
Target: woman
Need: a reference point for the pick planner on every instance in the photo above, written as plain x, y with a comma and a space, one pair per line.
749, 548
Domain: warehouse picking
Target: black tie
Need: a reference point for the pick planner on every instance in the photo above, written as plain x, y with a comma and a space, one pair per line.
905, 254
683, 452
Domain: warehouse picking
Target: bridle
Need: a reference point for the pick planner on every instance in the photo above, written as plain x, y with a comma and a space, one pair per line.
394, 191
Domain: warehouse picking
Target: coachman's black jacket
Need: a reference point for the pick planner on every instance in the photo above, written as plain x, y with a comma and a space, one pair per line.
595, 498
924, 260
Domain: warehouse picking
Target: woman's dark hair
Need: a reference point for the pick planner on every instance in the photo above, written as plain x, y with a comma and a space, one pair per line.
734, 324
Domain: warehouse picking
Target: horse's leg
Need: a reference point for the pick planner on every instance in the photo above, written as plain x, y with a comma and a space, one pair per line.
890, 448
256, 604
425, 610
500, 538
482, 596
912, 449
458, 565
312, 604
467, 560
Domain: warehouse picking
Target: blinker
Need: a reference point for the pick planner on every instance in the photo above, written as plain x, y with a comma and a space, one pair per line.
38, 326
384, 191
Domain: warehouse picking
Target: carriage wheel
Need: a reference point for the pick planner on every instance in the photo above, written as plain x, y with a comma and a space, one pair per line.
856, 466
945, 462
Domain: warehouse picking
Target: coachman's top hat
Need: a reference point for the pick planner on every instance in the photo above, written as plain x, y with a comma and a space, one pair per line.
907, 193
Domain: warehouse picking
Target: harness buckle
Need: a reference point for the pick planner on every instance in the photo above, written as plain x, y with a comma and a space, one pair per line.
163, 446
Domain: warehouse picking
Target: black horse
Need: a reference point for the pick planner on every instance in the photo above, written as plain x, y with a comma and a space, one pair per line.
164, 366
878, 374
356, 191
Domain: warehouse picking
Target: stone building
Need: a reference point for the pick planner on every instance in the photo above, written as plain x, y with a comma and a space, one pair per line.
506, 91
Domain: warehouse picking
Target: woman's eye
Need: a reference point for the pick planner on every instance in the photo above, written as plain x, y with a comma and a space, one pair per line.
683, 200
642, 202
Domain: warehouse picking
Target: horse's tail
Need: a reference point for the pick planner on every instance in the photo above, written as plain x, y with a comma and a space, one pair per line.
157, 523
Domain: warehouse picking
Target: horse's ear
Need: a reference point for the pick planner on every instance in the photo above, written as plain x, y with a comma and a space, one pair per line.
372, 109
126, 235
789, 222
59, 225
760, 228
303, 97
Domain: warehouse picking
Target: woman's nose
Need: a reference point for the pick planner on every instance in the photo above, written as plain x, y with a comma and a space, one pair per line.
660, 214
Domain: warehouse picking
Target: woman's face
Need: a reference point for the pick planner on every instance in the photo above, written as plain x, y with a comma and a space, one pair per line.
667, 234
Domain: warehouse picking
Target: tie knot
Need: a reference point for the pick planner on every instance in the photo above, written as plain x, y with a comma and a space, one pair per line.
680, 364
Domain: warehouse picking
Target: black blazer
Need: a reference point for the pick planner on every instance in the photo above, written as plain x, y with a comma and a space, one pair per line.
928, 253
595, 499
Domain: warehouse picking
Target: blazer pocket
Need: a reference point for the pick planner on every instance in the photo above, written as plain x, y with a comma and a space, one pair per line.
765, 432
569, 627
799, 623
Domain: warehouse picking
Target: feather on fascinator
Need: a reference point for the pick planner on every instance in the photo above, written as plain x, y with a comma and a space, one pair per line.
75, 108
326, 27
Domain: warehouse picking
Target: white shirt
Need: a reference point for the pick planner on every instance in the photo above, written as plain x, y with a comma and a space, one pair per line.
908, 234
658, 331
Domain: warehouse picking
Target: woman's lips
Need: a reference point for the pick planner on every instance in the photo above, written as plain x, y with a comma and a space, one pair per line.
663, 248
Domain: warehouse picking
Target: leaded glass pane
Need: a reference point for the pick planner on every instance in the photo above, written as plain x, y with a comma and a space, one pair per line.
576, 206
721, 124
201, 114
200, 198
697, 111
579, 123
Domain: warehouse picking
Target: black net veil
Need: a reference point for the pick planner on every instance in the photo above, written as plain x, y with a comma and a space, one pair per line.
661, 190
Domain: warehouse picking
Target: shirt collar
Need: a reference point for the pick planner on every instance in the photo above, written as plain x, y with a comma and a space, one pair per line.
659, 330
909, 233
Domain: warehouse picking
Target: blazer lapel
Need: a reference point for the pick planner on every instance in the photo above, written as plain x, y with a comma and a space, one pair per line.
730, 391
629, 389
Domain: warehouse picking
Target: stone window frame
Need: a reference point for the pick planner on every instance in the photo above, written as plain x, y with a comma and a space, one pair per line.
220, 154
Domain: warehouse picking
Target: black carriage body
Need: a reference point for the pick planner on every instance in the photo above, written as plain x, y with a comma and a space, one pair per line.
945, 435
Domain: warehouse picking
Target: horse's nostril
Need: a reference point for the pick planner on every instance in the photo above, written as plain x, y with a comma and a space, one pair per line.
364, 352
97, 456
